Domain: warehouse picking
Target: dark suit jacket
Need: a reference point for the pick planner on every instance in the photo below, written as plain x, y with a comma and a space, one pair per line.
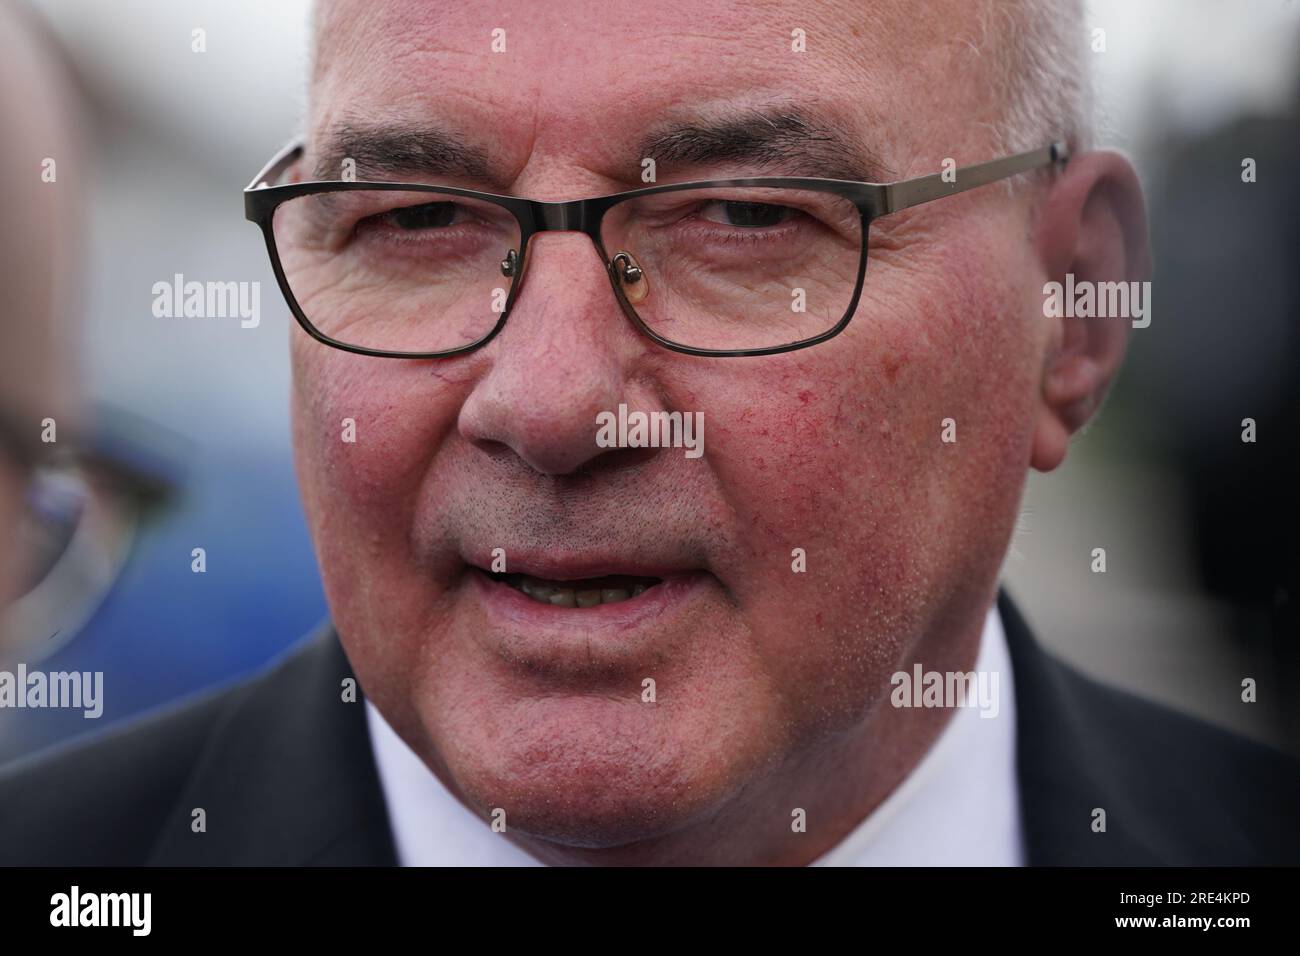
284, 770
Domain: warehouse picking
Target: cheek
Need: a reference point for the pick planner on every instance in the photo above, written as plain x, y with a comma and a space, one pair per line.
840, 452
364, 431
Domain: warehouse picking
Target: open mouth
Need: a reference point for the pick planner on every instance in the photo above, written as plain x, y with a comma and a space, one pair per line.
587, 592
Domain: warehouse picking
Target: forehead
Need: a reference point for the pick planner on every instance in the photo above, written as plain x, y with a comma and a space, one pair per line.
585, 79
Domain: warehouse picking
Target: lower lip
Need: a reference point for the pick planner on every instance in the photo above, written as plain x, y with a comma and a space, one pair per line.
606, 631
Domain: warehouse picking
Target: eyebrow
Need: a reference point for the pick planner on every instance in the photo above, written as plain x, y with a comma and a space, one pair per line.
397, 150
785, 140
781, 140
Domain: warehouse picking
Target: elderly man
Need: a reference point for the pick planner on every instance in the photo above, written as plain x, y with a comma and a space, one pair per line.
547, 649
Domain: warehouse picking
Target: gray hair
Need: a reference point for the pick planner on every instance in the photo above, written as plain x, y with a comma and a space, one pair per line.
1039, 64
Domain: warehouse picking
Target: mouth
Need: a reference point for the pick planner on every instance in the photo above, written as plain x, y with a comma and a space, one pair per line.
580, 593
586, 617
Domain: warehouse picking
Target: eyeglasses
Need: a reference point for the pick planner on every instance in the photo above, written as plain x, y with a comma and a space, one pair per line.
725, 267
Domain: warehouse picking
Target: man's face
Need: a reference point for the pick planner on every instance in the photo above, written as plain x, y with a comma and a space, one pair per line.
759, 670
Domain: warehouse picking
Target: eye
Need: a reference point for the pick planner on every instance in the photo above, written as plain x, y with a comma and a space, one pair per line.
433, 215
748, 215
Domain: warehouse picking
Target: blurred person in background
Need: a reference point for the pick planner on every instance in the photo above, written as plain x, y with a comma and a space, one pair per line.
76, 478
39, 247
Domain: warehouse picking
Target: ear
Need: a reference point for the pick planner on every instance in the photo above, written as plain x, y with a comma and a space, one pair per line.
1093, 225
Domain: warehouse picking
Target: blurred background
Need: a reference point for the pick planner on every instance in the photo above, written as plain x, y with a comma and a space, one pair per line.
186, 422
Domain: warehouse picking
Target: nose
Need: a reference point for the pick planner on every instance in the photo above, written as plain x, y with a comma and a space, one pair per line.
564, 356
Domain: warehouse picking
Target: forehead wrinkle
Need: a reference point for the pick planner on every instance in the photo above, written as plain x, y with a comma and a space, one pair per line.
851, 42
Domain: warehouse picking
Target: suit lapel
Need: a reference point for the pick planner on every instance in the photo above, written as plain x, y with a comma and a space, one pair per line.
286, 776
1066, 768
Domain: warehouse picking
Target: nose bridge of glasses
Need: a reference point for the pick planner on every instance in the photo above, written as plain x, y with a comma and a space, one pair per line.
562, 216
577, 215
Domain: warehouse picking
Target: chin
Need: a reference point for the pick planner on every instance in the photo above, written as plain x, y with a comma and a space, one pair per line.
595, 773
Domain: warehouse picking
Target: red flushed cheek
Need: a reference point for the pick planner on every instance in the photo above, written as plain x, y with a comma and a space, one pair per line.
890, 365
842, 450
784, 452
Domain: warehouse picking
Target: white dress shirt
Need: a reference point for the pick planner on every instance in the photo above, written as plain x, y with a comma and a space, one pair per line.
960, 805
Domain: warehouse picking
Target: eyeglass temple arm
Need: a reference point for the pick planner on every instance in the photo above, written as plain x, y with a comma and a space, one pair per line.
912, 192
273, 170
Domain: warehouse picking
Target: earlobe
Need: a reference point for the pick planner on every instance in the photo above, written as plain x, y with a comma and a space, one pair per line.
1050, 441
1092, 240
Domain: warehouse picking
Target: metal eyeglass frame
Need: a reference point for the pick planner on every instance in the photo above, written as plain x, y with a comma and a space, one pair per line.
872, 200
